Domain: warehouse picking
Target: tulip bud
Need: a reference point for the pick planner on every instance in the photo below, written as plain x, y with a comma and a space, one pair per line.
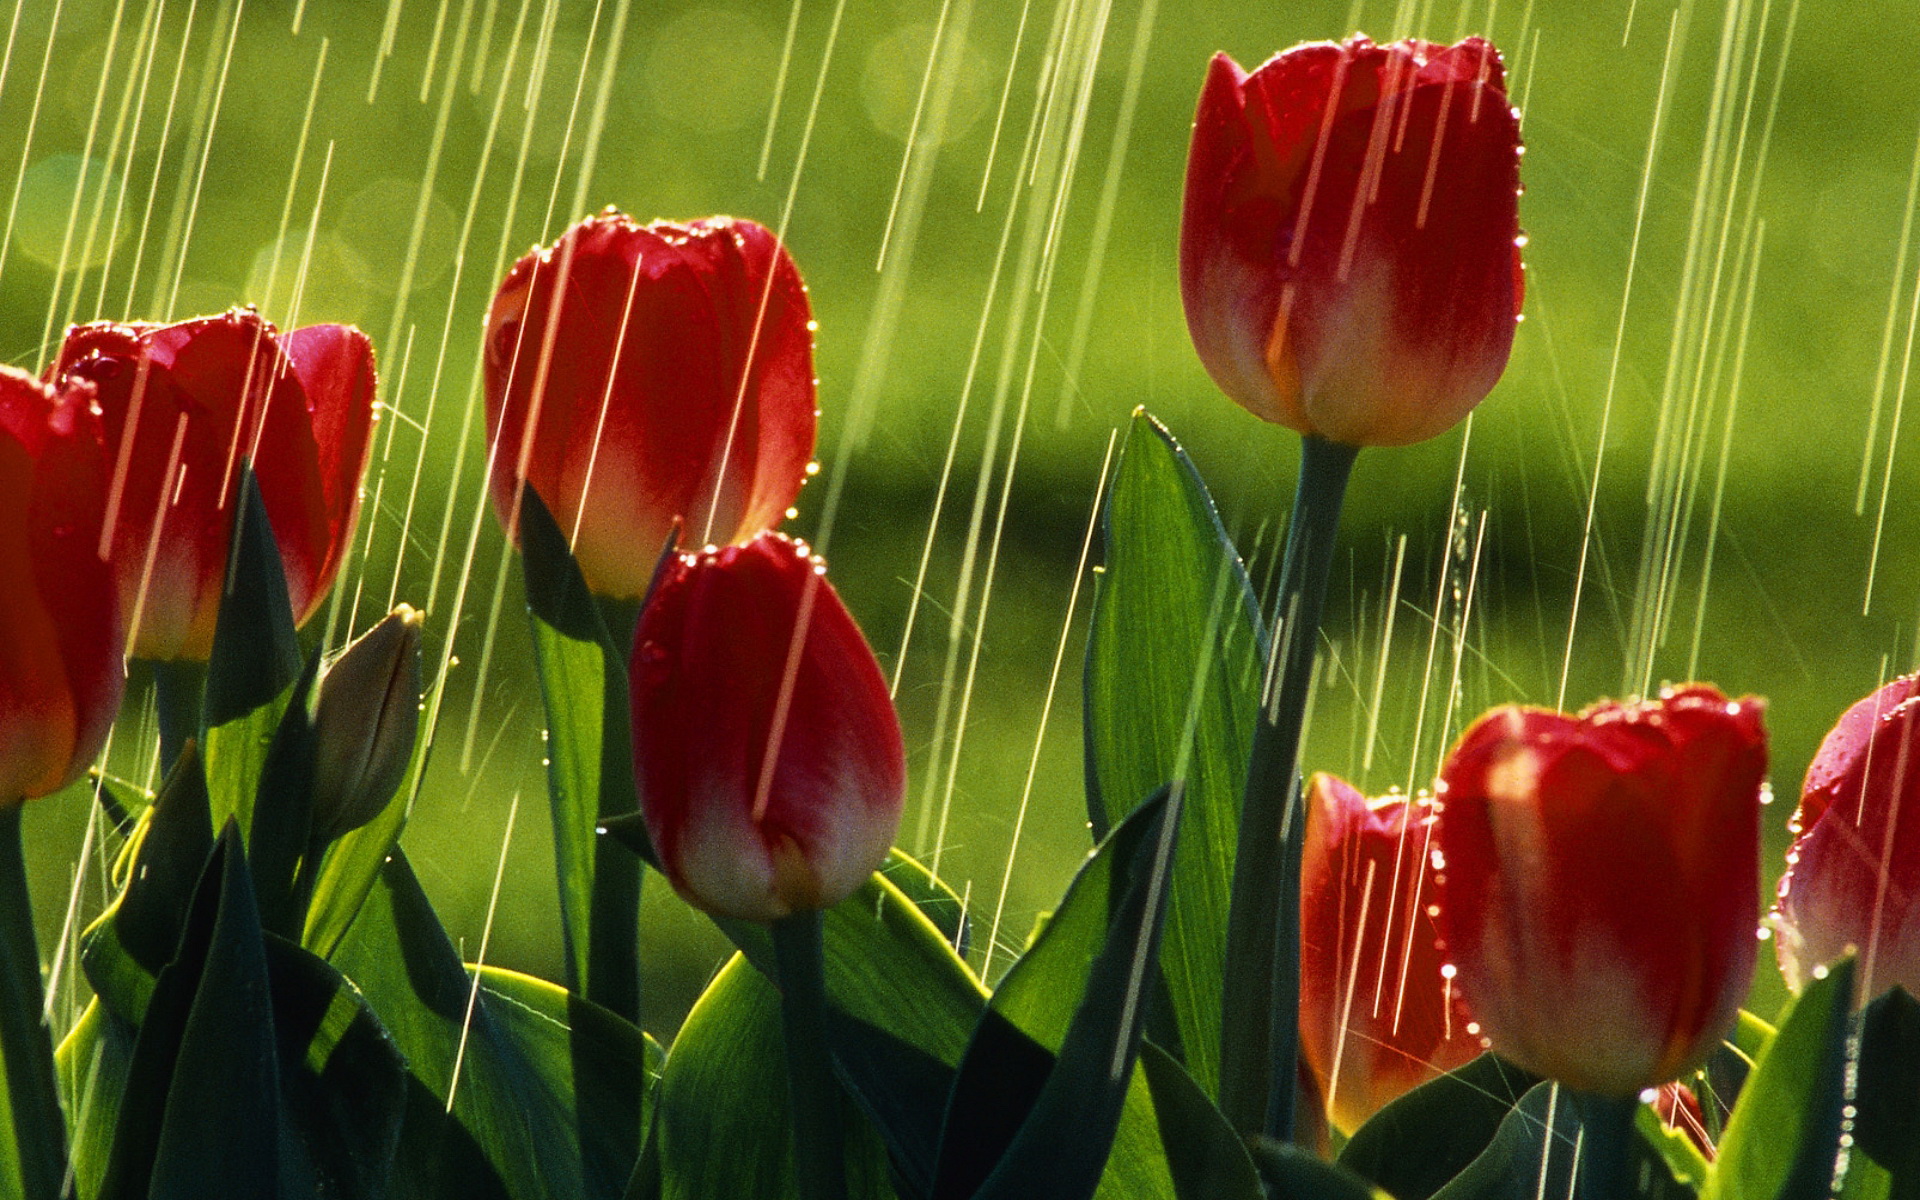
766, 748
1349, 248
643, 375
184, 405
61, 672
1853, 873
366, 716
1378, 1014
1601, 879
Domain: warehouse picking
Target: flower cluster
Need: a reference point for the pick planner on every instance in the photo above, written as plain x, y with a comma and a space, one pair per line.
652, 381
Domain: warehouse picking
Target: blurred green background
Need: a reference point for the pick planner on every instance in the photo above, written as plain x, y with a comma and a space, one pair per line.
380, 162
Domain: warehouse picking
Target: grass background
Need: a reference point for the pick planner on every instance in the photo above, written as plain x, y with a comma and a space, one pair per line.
89, 101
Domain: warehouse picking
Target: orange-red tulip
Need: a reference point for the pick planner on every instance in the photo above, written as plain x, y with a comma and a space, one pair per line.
1601, 882
1349, 250
669, 379
1853, 874
61, 671
1378, 1014
766, 749
185, 406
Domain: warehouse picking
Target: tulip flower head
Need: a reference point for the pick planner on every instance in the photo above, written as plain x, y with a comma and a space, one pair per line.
1378, 1011
366, 719
1349, 249
639, 376
1601, 878
1853, 873
766, 748
61, 672
185, 406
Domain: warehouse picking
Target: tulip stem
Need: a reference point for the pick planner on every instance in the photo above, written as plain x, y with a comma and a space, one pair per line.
613, 937
1605, 1166
819, 1157
1260, 1000
38, 1130
178, 687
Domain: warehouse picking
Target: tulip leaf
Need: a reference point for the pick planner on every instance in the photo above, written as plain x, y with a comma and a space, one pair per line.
92, 1065
124, 950
1783, 1137
341, 1080
201, 1111
1298, 1175
582, 665
282, 815
1887, 1101
255, 660
901, 1008
352, 864
1172, 687
1207, 1159
724, 1118
1425, 1137
1534, 1151
529, 1117
1047, 1079
1682, 1158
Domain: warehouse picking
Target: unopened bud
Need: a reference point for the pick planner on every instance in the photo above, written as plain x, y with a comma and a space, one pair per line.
365, 723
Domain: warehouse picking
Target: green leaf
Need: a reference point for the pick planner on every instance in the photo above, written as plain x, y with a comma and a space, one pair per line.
201, 1114
282, 811
1887, 1100
1414, 1145
1297, 1175
1675, 1149
1535, 1150
1040, 1097
255, 660
92, 1064
724, 1122
124, 950
902, 1007
940, 903
530, 1117
583, 680
1783, 1137
1206, 1158
1172, 687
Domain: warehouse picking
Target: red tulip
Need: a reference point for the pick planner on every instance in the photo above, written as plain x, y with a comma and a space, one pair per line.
766, 749
184, 405
671, 379
1378, 1014
1853, 874
61, 671
1349, 251
1601, 883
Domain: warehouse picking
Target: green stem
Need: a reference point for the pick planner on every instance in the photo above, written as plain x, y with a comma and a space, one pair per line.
819, 1157
1260, 1000
1606, 1143
39, 1132
178, 687
613, 936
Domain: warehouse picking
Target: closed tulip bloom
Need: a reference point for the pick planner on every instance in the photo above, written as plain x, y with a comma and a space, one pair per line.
643, 375
1378, 1013
61, 671
1349, 249
185, 406
366, 719
1853, 873
1601, 880
766, 748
